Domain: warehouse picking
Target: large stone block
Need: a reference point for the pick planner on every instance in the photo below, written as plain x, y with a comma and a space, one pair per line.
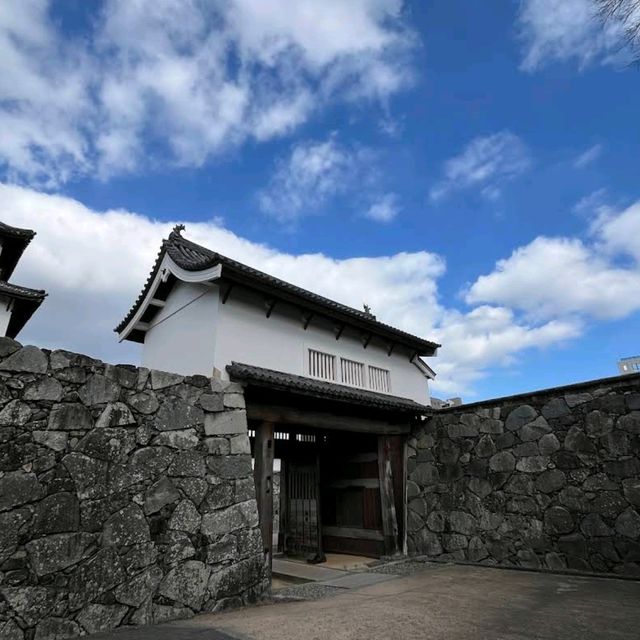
188, 463
555, 408
15, 414
127, 526
116, 414
186, 584
99, 390
57, 513
631, 488
160, 494
164, 379
101, 617
226, 423
18, 487
89, 475
628, 524
144, 402
175, 413
140, 587
54, 440
56, 629
235, 579
532, 464
11, 526
229, 467
558, 520
26, 360
58, 551
30, 603
218, 523
95, 576
70, 417
47, 388
180, 439
185, 517
110, 444
502, 462
520, 416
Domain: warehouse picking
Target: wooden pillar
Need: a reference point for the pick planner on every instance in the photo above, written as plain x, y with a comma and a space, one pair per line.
263, 476
387, 499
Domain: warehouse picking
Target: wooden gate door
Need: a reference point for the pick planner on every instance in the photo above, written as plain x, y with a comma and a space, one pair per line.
302, 506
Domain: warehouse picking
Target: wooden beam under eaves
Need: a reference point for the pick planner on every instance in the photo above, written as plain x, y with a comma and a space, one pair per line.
391, 348
269, 305
306, 319
156, 302
142, 326
366, 340
339, 329
226, 293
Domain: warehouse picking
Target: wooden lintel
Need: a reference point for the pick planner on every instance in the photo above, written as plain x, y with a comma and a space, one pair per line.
339, 329
324, 420
226, 293
269, 305
367, 340
156, 302
306, 319
391, 348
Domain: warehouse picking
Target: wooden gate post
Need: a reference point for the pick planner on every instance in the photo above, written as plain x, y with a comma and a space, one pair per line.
387, 498
263, 476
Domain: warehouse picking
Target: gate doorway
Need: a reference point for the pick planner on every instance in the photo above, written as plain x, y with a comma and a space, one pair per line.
340, 492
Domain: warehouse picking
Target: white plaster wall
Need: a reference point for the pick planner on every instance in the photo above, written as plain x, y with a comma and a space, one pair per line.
280, 342
206, 334
5, 314
182, 337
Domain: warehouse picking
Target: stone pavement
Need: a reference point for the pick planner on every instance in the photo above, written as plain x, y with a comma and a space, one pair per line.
443, 602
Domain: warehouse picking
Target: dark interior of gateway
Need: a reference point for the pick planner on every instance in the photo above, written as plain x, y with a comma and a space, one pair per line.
336, 492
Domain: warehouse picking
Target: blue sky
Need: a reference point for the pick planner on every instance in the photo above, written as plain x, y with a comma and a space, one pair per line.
483, 161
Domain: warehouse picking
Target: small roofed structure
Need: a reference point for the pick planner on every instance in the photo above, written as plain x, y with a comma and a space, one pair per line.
17, 304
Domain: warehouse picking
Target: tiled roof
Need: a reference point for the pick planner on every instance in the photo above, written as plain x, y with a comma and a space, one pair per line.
15, 291
318, 388
16, 232
194, 257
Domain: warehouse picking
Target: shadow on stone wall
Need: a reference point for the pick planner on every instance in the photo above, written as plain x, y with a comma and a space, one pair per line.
549, 480
126, 496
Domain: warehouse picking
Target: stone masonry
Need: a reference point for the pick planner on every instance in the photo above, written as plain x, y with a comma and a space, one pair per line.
126, 496
546, 480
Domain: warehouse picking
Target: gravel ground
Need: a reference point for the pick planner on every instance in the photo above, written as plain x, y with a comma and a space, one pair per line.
308, 591
404, 567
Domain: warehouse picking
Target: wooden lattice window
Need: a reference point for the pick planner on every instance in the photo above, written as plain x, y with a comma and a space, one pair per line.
322, 365
352, 372
379, 379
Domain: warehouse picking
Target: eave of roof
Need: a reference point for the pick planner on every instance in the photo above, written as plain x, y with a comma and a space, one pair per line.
301, 385
194, 257
15, 241
25, 303
23, 293
16, 232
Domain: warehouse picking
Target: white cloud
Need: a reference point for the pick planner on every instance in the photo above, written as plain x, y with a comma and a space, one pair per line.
591, 204
183, 78
567, 277
315, 172
588, 156
93, 265
312, 174
567, 31
484, 164
385, 209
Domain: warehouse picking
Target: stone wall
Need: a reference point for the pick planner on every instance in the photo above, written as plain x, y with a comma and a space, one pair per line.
546, 480
126, 496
